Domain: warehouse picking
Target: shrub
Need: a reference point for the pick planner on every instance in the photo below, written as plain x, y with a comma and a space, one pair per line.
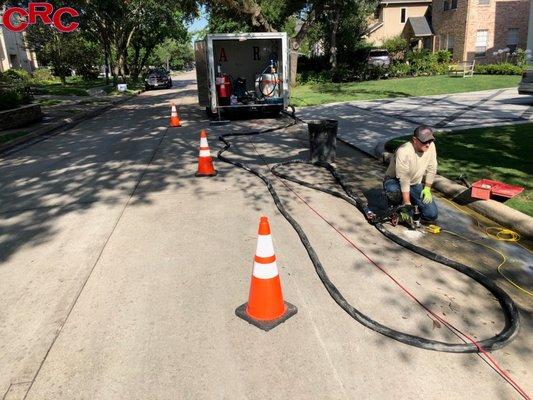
371, 72
9, 98
88, 72
15, 88
421, 63
344, 73
16, 76
498, 69
521, 57
43, 75
313, 77
425, 63
399, 70
443, 56
316, 64
396, 46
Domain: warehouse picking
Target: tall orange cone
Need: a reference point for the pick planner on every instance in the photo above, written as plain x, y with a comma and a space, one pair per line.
266, 308
174, 118
205, 162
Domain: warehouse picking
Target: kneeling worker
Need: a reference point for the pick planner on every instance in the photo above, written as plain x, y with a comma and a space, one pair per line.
403, 179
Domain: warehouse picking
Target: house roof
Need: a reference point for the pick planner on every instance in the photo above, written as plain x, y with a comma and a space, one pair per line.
420, 26
374, 27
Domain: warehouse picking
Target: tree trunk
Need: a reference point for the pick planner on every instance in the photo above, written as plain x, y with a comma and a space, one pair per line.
135, 68
106, 55
293, 61
296, 42
333, 38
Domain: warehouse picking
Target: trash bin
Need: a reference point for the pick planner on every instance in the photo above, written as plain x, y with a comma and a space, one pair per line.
322, 140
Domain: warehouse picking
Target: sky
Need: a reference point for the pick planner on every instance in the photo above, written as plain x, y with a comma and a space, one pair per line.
200, 22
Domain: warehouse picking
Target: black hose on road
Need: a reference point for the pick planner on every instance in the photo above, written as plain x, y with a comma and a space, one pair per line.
509, 308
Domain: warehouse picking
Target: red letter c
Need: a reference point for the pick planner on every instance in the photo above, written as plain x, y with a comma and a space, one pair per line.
57, 19
7, 19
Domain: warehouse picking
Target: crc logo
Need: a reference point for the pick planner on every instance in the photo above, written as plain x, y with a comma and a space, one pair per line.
44, 11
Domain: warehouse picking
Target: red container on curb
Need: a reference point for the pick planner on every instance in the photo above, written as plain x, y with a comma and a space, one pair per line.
483, 188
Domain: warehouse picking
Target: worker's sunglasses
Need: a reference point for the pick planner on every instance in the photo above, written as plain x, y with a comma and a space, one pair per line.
424, 143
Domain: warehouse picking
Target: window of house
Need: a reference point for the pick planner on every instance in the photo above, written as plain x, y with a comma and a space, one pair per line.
446, 42
446, 5
442, 42
453, 5
450, 44
13, 60
483, 2
512, 39
403, 14
482, 38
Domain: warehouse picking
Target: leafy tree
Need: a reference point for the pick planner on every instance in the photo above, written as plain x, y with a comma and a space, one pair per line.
63, 52
124, 26
178, 54
297, 17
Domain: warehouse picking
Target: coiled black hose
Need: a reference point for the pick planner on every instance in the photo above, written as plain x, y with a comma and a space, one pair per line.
509, 308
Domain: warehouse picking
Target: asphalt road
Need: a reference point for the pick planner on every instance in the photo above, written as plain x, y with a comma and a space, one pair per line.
120, 273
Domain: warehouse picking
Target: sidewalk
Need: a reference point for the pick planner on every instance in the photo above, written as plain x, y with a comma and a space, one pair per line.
60, 112
369, 124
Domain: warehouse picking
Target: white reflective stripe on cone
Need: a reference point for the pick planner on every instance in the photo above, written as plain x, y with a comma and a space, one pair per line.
203, 142
205, 153
265, 271
265, 248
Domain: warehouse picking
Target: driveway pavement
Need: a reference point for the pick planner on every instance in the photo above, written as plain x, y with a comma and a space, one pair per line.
369, 124
120, 273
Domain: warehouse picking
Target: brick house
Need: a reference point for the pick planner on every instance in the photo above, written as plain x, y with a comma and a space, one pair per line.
475, 29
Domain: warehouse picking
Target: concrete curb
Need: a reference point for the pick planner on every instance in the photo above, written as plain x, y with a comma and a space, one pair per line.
496, 211
63, 124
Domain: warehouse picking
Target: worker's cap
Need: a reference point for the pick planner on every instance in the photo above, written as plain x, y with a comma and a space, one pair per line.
424, 133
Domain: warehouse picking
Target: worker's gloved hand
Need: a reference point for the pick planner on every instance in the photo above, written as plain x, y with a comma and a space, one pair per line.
406, 216
427, 197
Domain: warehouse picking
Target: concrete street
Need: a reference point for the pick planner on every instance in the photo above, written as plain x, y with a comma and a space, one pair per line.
120, 272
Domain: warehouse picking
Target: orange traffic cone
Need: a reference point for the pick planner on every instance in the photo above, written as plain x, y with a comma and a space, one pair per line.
205, 162
265, 308
174, 119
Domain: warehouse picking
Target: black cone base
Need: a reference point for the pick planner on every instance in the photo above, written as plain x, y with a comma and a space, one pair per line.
266, 325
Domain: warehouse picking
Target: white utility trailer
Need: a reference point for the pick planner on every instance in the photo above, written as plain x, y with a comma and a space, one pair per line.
243, 71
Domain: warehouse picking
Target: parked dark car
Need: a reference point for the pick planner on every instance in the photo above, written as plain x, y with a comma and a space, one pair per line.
379, 58
156, 78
